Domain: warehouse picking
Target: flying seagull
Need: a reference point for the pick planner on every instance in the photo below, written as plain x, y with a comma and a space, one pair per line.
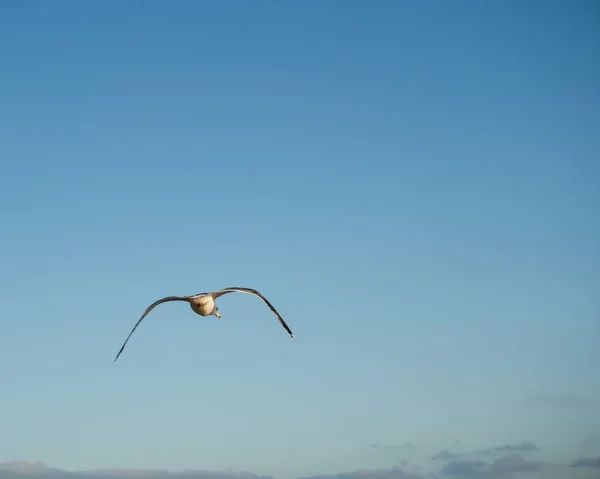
204, 305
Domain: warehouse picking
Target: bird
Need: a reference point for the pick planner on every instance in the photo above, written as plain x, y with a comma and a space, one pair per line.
204, 305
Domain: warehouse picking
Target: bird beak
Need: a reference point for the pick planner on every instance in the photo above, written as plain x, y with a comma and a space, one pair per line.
218, 315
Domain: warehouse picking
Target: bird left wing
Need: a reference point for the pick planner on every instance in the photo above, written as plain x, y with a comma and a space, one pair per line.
148, 309
255, 293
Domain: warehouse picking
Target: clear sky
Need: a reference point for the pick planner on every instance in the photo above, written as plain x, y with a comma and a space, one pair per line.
414, 185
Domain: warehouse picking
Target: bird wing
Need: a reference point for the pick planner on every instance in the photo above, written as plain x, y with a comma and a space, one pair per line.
150, 308
255, 293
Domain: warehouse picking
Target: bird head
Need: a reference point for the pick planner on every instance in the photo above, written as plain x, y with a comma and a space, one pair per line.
216, 313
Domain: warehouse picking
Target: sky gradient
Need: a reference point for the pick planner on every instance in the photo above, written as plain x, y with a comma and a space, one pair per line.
413, 185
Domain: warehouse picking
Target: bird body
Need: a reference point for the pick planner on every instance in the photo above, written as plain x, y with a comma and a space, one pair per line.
204, 304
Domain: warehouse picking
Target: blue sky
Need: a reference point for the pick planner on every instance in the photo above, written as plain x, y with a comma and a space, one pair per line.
414, 185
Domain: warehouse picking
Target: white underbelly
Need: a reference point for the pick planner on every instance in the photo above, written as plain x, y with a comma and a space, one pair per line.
203, 306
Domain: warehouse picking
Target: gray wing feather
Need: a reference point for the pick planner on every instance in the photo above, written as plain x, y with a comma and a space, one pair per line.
150, 308
255, 293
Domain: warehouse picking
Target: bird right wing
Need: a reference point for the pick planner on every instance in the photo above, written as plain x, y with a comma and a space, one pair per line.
236, 289
150, 308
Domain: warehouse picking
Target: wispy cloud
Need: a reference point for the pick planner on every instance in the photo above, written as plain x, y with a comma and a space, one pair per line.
521, 448
502, 468
445, 455
514, 464
464, 468
526, 446
591, 462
